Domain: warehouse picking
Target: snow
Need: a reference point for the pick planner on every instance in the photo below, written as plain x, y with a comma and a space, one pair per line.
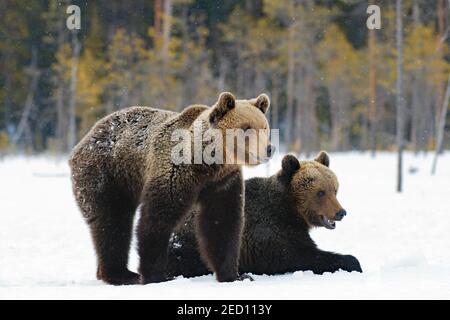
401, 240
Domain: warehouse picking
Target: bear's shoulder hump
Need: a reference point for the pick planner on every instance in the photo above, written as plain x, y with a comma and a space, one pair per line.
193, 111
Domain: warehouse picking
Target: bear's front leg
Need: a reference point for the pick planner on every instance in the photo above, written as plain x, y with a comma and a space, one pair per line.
219, 225
161, 211
320, 261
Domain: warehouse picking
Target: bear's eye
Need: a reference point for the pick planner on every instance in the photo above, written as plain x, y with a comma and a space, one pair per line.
321, 193
246, 128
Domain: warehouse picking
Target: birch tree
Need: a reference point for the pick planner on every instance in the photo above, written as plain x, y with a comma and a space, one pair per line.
373, 109
441, 126
76, 48
400, 114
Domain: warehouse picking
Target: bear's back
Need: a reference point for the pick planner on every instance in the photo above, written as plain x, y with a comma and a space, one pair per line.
117, 145
125, 130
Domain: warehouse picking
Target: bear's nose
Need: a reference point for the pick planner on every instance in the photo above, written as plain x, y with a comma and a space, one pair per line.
270, 150
340, 214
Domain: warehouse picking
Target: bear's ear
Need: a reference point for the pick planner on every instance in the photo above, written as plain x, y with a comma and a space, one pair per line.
289, 165
262, 102
225, 103
323, 158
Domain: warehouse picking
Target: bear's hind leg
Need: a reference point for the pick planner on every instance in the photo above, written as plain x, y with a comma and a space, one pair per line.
219, 228
111, 230
112, 239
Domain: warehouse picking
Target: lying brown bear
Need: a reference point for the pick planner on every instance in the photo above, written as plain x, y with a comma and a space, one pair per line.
279, 212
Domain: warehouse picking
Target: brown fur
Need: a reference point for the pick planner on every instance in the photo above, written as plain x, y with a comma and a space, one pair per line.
125, 161
314, 177
279, 212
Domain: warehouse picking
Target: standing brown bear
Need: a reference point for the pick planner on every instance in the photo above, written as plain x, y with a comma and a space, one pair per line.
125, 161
279, 212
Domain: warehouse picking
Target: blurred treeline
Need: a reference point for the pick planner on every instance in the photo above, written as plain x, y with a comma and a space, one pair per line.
331, 80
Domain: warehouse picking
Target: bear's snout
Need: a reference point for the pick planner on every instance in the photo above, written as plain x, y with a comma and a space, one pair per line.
340, 215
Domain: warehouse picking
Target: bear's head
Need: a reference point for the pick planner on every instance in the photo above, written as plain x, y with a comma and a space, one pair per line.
313, 187
244, 128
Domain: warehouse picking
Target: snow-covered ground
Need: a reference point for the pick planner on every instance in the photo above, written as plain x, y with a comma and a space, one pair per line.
401, 240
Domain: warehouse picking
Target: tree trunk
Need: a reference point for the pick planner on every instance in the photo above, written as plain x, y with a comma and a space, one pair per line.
306, 121
313, 133
61, 115
222, 75
441, 126
275, 101
335, 119
34, 74
416, 105
167, 27
72, 137
304, 96
299, 111
440, 13
157, 14
7, 100
61, 124
416, 113
400, 114
290, 88
372, 91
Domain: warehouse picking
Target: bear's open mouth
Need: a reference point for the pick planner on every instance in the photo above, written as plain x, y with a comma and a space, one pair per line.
328, 223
